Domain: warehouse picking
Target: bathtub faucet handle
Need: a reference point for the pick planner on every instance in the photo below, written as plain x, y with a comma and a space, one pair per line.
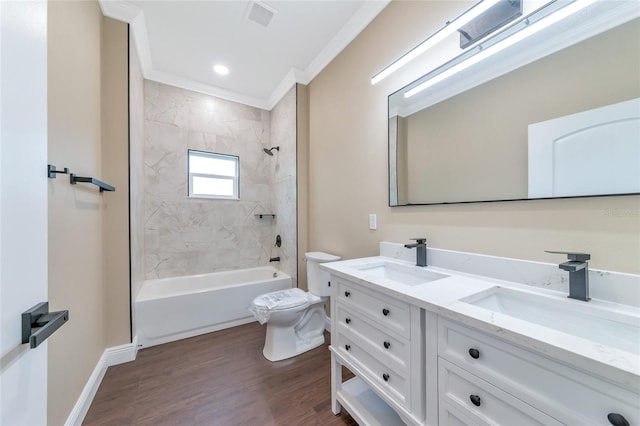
274, 259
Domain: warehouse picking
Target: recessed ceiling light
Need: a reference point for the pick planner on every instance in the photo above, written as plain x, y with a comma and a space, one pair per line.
221, 69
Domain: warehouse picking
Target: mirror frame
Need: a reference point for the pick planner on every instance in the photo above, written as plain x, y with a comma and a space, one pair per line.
610, 15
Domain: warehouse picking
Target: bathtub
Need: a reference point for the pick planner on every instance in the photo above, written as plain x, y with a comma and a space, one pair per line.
170, 309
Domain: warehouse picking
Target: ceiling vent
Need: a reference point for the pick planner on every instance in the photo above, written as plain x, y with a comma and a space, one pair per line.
260, 13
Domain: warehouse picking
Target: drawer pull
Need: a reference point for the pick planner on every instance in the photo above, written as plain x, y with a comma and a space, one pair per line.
385, 377
474, 353
387, 345
347, 293
617, 419
347, 347
385, 312
347, 320
475, 400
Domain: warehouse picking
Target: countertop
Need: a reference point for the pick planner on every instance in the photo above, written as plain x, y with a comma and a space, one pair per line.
443, 296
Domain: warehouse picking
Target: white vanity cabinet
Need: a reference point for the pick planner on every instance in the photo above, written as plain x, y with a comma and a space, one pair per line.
422, 356
486, 380
380, 339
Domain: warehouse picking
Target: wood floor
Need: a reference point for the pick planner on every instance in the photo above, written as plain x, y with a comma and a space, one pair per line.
218, 379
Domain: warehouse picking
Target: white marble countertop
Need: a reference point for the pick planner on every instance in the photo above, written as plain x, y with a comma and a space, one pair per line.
443, 296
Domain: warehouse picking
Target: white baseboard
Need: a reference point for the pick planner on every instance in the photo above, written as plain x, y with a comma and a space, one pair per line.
123, 353
327, 324
110, 356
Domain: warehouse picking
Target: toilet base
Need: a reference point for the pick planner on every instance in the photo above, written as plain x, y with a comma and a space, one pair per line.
278, 355
286, 341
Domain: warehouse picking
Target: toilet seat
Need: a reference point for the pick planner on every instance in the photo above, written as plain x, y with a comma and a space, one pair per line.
292, 299
283, 299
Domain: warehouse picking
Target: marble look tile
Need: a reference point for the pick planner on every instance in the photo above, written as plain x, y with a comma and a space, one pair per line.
185, 236
283, 181
136, 173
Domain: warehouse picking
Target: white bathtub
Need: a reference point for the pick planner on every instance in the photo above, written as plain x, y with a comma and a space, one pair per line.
170, 309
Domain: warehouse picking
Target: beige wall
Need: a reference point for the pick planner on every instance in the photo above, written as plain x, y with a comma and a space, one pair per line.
79, 215
348, 169
115, 171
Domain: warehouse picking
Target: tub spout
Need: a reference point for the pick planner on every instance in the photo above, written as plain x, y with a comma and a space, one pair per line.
274, 259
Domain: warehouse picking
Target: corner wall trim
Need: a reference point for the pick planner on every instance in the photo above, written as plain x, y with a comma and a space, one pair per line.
111, 356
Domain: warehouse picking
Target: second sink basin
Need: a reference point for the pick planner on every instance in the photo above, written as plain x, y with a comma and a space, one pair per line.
600, 325
403, 274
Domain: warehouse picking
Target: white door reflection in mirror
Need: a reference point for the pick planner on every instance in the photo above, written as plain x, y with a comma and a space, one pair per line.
588, 153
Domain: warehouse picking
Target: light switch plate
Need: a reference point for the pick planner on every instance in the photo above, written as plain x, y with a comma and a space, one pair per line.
373, 221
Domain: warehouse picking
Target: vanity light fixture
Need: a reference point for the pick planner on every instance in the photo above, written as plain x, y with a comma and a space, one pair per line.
449, 28
221, 69
527, 31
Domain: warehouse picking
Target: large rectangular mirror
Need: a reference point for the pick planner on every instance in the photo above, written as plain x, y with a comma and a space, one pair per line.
467, 140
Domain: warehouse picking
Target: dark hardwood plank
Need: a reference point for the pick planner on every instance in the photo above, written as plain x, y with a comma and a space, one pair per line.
218, 379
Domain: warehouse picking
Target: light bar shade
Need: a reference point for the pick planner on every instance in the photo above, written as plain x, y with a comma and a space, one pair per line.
436, 38
527, 31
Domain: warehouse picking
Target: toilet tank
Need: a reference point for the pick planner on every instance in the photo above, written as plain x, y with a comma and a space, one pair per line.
318, 280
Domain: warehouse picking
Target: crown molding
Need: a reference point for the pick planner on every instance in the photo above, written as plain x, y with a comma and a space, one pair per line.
120, 10
354, 26
290, 79
207, 89
134, 16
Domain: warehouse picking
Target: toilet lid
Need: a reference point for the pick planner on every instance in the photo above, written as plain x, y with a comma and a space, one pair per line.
282, 299
321, 257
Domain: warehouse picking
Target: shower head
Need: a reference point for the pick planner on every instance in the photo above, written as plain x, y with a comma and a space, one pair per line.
269, 151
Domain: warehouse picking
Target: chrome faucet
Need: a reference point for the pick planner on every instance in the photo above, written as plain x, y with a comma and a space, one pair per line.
421, 250
578, 274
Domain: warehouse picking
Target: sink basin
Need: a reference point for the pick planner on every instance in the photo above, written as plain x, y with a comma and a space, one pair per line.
403, 274
582, 319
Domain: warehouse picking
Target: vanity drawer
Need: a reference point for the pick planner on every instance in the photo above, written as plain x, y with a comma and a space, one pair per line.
389, 349
481, 401
394, 383
449, 415
386, 311
569, 395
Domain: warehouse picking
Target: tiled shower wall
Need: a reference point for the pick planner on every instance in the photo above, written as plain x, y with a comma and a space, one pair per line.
283, 181
185, 236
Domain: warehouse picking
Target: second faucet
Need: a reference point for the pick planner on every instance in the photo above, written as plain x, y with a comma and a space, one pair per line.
421, 250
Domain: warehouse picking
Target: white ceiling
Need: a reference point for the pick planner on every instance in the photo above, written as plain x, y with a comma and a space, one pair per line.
180, 41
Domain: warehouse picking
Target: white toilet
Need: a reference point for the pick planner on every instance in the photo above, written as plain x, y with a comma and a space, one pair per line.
295, 319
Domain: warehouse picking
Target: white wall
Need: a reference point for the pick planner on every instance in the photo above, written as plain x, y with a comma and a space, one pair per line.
23, 207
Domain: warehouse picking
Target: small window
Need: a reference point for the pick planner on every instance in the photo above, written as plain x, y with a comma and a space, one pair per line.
213, 175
